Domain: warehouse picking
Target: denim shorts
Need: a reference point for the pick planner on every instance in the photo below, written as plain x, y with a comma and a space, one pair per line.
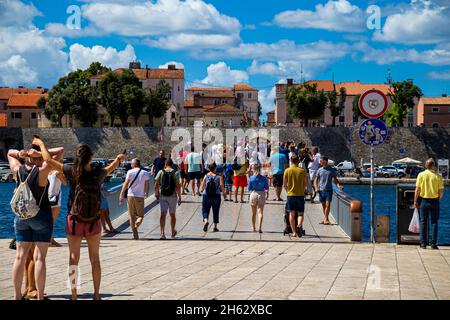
37, 229
296, 203
325, 195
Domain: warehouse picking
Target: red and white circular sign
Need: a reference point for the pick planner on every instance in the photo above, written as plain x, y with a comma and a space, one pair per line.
373, 103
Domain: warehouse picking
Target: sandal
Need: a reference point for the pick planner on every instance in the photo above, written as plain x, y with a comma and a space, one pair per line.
163, 237
174, 234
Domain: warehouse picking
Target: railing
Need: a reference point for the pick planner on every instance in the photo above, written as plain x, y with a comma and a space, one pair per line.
115, 209
347, 212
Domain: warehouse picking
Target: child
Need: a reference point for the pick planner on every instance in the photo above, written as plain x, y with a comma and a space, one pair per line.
228, 181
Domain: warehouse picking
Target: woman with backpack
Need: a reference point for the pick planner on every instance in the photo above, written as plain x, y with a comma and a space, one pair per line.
212, 188
83, 220
33, 224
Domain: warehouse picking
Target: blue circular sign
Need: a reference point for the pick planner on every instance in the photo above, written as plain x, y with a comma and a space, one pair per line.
373, 132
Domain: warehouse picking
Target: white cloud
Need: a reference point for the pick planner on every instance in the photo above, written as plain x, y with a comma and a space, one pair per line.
196, 42
17, 13
40, 55
168, 24
422, 22
177, 64
439, 75
338, 15
81, 57
16, 70
220, 74
438, 56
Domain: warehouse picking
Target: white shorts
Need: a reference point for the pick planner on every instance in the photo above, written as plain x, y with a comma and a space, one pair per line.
168, 204
258, 198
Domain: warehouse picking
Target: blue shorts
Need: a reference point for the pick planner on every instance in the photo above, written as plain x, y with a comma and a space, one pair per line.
295, 203
194, 176
37, 229
325, 195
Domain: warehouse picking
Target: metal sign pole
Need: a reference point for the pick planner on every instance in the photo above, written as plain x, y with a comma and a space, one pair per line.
372, 170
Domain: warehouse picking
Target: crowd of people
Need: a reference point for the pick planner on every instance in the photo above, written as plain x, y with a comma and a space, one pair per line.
210, 174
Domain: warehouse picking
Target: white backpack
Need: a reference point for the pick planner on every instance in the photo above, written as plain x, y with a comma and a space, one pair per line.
23, 203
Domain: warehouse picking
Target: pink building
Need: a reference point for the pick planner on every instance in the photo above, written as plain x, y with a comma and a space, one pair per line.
434, 112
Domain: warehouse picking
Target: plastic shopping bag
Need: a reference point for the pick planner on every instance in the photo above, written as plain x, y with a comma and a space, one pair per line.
414, 225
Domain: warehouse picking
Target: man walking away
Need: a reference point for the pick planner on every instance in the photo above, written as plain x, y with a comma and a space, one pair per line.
195, 168
294, 183
168, 190
135, 189
429, 191
279, 163
324, 185
313, 167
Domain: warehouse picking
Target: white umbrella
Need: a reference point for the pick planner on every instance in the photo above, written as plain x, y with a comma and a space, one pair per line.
408, 161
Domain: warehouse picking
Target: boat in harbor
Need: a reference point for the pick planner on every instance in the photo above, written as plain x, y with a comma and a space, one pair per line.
118, 176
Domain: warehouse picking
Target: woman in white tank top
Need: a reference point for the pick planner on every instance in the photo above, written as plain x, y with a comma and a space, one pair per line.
56, 180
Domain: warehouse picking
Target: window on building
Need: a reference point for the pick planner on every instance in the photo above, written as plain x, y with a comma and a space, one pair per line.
435, 109
169, 95
33, 115
172, 116
178, 88
435, 125
141, 84
448, 110
249, 95
16, 115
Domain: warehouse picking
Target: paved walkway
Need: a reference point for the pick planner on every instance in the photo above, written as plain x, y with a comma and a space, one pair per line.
235, 223
233, 264
189, 269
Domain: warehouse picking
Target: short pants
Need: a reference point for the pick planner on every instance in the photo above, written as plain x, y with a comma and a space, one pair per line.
168, 204
278, 180
240, 181
296, 203
82, 229
258, 198
325, 195
37, 229
194, 176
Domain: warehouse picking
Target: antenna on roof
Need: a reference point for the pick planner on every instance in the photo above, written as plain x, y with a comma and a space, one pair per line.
301, 74
389, 77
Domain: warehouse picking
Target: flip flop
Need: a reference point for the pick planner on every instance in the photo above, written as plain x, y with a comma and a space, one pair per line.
174, 234
162, 238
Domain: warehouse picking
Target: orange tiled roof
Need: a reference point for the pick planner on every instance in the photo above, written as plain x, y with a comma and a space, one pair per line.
436, 101
25, 100
325, 85
143, 74
357, 88
243, 87
190, 104
5, 93
207, 89
221, 108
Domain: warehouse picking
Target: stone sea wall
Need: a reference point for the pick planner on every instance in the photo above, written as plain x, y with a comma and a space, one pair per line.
338, 144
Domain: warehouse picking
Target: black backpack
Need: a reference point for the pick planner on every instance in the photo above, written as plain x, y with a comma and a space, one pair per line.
167, 183
211, 186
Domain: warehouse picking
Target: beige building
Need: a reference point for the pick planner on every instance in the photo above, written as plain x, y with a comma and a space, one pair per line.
18, 107
242, 97
149, 78
346, 118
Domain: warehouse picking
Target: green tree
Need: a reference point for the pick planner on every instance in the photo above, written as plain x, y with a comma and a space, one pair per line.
306, 102
74, 95
157, 101
134, 98
356, 110
403, 95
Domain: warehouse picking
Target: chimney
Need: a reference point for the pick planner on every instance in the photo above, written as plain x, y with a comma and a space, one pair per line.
135, 65
171, 67
290, 81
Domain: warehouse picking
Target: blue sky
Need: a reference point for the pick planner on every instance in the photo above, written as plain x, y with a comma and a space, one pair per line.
222, 42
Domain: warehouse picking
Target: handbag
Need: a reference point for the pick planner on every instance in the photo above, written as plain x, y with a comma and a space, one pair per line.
125, 195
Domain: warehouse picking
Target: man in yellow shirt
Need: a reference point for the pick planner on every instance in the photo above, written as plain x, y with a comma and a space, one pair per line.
294, 182
429, 191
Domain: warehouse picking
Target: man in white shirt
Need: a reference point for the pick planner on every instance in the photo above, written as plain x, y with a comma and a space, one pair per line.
136, 186
314, 166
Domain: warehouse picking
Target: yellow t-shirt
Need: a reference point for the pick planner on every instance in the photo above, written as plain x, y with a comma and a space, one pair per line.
295, 177
430, 184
